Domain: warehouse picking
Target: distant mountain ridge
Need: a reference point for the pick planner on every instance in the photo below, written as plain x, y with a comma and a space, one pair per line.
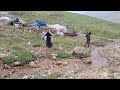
113, 16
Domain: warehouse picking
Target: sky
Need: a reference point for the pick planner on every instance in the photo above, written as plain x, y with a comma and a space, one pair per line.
80, 12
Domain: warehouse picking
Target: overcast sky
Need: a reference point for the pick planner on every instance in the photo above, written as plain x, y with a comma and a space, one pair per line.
80, 12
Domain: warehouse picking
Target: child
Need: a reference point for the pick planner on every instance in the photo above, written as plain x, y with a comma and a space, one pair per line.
88, 39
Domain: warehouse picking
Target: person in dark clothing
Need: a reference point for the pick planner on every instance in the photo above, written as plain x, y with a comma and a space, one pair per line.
48, 40
88, 39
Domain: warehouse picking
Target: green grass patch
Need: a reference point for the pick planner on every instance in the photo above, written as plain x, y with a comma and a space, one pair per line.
54, 75
19, 54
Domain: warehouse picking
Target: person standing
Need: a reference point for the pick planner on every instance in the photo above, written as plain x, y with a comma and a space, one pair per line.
88, 39
48, 40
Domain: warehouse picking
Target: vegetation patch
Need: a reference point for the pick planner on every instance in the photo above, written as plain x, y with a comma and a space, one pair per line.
19, 54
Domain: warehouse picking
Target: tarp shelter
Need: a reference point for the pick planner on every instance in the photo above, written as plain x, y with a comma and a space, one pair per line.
18, 20
5, 18
5, 21
58, 27
38, 23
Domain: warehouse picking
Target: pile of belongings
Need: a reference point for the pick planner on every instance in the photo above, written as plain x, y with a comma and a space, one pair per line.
5, 21
38, 23
18, 21
60, 29
71, 34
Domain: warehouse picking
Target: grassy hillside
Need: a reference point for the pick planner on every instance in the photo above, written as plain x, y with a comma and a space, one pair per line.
13, 41
82, 23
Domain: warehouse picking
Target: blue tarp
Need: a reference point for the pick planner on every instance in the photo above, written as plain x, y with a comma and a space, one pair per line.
39, 23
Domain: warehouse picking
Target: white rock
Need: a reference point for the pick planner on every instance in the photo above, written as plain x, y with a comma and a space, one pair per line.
6, 66
25, 77
31, 63
16, 63
105, 74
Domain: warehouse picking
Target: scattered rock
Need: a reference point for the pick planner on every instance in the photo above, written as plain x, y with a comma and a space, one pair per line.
54, 56
13, 70
71, 77
15, 64
20, 72
37, 61
59, 63
10, 73
6, 66
76, 66
32, 76
2, 55
65, 63
32, 64
88, 61
105, 74
25, 77
6, 75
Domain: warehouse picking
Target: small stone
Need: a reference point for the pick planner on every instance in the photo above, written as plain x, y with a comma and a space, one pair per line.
71, 77
87, 61
31, 63
13, 71
76, 66
10, 73
37, 61
2, 55
25, 77
6, 66
65, 63
59, 63
20, 72
32, 76
16, 63
5, 76
105, 74
54, 57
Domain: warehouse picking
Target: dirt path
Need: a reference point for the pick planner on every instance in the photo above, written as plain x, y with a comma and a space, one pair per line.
97, 60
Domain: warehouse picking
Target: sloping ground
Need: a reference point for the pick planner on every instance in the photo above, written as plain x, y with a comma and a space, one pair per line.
70, 68
43, 65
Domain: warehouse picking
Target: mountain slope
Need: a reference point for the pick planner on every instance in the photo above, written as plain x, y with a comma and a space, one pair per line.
113, 16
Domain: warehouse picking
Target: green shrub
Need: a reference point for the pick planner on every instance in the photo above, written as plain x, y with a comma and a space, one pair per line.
20, 55
54, 75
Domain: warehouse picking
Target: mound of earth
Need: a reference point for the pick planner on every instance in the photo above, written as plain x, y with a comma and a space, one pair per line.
112, 53
80, 52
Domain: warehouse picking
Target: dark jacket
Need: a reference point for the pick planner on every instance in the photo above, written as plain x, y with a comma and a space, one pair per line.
48, 40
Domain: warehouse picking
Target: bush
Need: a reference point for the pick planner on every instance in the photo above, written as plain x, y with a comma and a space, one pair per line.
54, 75
63, 54
20, 55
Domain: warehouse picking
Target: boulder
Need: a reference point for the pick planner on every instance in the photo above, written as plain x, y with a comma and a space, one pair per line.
80, 52
5, 21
